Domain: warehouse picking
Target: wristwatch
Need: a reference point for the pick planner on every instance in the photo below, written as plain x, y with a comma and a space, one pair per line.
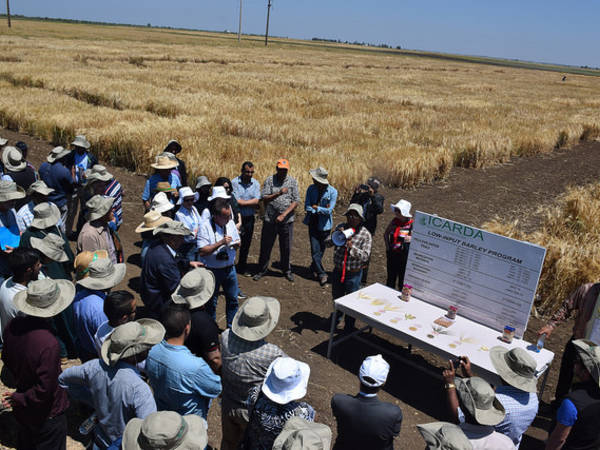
449, 386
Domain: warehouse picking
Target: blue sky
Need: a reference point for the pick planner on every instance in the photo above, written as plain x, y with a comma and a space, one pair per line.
565, 32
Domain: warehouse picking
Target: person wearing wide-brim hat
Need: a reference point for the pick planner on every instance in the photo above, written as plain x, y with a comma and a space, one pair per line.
57, 175
115, 376
277, 401
444, 436
245, 363
152, 219
166, 430
163, 205
176, 170
96, 234
9, 193
17, 170
163, 166
319, 203
31, 353
397, 237
57, 153
300, 434
99, 181
83, 260
37, 193
54, 257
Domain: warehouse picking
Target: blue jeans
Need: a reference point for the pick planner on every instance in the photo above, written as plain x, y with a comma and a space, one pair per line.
227, 278
338, 289
317, 249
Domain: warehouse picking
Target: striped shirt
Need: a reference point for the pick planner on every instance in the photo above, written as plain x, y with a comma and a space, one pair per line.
115, 191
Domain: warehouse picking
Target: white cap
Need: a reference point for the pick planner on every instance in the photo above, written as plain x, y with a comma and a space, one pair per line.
404, 207
376, 368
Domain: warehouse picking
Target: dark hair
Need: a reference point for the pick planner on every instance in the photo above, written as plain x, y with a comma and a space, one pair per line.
22, 146
247, 164
217, 205
175, 318
222, 180
21, 259
369, 389
117, 304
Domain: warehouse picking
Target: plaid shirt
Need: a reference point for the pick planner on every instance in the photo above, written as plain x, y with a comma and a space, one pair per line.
25, 216
245, 365
358, 255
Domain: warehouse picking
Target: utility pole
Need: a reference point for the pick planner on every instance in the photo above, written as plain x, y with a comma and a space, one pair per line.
8, 12
240, 27
268, 14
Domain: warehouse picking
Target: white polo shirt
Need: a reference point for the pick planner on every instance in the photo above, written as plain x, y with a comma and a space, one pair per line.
207, 235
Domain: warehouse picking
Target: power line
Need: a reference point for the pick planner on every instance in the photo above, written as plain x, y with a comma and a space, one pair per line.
268, 15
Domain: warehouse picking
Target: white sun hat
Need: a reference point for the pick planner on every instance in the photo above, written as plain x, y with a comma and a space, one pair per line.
404, 207
161, 203
286, 380
218, 192
186, 191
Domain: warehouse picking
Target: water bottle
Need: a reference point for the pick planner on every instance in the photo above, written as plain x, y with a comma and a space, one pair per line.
88, 425
540, 342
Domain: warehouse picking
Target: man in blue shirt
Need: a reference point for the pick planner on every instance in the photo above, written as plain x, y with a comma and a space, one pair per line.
181, 382
162, 166
56, 173
247, 192
318, 204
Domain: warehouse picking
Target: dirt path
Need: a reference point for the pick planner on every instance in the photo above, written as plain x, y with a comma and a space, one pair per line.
512, 190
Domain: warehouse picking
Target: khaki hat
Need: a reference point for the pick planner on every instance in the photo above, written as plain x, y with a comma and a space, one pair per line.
166, 430
98, 206
172, 227
478, 398
589, 353
164, 162
202, 181
3, 141
45, 298
319, 175
83, 260
444, 436
164, 186
195, 288
256, 318
356, 208
515, 366
103, 274
152, 219
170, 155
45, 215
300, 434
52, 246
286, 380
10, 191
97, 173
39, 187
81, 141
131, 338
13, 160
57, 153
161, 203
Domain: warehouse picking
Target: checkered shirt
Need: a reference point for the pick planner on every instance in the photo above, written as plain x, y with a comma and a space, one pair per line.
358, 255
25, 216
245, 365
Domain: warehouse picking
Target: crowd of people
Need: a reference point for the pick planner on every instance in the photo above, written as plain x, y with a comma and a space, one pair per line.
149, 375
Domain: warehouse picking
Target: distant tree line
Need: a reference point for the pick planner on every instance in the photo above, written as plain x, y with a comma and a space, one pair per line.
364, 44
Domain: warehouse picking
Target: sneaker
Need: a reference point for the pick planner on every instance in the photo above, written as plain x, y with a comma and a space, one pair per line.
289, 276
242, 296
258, 276
323, 280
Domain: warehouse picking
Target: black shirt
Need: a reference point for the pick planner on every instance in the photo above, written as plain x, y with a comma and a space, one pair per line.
204, 335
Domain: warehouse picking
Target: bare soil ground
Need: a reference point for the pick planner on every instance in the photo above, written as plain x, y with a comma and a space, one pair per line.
513, 190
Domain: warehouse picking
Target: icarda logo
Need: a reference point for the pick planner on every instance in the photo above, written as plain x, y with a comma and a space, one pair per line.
452, 227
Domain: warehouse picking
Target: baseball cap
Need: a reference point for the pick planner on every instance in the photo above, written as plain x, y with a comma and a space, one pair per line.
376, 368
283, 164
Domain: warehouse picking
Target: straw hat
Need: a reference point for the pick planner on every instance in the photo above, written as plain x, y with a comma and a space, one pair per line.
256, 318
10, 191
12, 158
300, 434
52, 246
403, 206
98, 206
164, 162
202, 181
164, 186
166, 430
218, 192
45, 298
152, 219
103, 274
589, 353
161, 203
97, 173
195, 288
357, 209
131, 338
172, 227
479, 399
83, 260
39, 187
57, 153
319, 175
444, 436
515, 366
286, 380
3, 141
45, 215
81, 141
186, 191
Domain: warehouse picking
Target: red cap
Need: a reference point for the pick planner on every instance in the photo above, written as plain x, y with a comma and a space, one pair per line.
283, 164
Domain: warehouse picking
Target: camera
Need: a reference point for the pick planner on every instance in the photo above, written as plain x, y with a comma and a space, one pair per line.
222, 255
456, 361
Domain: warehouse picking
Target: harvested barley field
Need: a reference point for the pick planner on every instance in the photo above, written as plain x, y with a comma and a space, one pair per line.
404, 118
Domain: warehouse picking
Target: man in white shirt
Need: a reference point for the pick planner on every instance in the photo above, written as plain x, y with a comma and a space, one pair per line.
218, 240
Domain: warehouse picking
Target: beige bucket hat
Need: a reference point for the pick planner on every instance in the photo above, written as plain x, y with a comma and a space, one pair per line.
286, 380
81, 141
98, 206
45, 298
300, 434
83, 260
39, 187
319, 175
195, 288
166, 430
97, 173
202, 181
10, 191
152, 219
444, 436
589, 353
52, 246
164, 162
103, 274
256, 318
57, 153
45, 215
357, 209
479, 399
515, 366
13, 160
172, 227
161, 203
131, 338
